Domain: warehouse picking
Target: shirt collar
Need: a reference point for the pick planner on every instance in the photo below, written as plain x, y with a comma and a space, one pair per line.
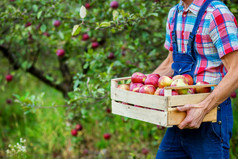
194, 6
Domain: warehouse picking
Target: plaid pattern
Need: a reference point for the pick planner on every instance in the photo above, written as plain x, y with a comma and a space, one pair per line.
217, 36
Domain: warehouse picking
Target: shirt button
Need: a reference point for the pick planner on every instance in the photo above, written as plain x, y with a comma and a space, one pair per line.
219, 122
184, 15
218, 108
183, 34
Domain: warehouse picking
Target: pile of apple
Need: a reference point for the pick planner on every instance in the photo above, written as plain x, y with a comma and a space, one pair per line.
154, 84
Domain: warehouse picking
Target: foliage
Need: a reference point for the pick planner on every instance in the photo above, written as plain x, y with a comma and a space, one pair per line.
130, 39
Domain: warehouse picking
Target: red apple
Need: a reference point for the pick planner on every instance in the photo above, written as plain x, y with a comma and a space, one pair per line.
138, 77
191, 91
30, 38
57, 23
28, 24
111, 56
46, 34
87, 5
179, 77
152, 79
180, 82
108, 110
145, 151
233, 95
78, 127
107, 136
123, 53
60, 52
124, 86
156, 74
164, 81
114, 4
9, 101
174, 93
202, 89
9, 77
189, 78
147, 89
85, 37
74, 132
85, 152
135, 87
95, 45
159, 92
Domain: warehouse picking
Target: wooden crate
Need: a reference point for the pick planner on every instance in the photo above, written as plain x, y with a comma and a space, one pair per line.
159, 110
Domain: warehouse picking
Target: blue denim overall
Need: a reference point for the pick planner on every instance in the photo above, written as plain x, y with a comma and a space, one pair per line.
211, 140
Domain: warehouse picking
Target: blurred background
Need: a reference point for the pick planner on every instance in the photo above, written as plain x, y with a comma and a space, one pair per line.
55, 86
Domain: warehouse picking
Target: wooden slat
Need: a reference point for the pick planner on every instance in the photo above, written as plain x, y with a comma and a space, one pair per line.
146, 100
143, 114
175, 117
167, 92
186, 99
191, 86
121, 79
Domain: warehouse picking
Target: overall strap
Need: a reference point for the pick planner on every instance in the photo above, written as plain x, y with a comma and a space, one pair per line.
174, 36
198, 20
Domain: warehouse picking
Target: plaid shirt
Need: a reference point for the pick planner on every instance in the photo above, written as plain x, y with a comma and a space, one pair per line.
217, 36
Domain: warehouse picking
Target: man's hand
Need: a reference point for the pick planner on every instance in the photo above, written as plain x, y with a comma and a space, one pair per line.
194, 117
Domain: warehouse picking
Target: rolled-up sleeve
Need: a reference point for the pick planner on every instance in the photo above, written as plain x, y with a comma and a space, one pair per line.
223, 31
168, 37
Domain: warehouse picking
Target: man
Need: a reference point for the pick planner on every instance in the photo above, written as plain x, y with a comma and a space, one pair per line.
202, 39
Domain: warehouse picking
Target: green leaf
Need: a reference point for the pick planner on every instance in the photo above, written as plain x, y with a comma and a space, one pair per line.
153, 14
101, 90
39, 14
105, 24
115, 15
35, 8
61, 34
43, 28
83, 12
76, 30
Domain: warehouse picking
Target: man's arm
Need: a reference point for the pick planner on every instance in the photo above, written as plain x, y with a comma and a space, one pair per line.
165, 69
196, 112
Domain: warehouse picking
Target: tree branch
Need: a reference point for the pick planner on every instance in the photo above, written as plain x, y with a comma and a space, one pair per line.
34, 71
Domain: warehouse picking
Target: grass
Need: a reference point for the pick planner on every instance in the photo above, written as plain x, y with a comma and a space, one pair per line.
43, 129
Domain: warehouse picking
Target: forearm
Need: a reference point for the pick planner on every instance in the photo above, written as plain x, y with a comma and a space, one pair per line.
165, 68
228, 84
222, 91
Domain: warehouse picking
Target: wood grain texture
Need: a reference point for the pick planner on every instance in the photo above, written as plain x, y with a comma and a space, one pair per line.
146, 100
175, 117
121, 79
180, 100
191, 86
143, 114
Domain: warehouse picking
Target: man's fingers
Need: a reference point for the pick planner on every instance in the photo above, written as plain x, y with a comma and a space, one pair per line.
185, 123
184, 108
